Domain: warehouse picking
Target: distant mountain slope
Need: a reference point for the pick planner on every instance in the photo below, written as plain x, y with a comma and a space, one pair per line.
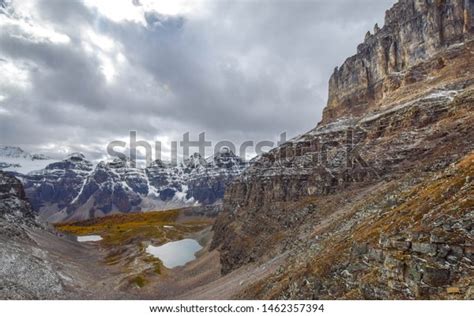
15, 159
17, 152
74, 189
13, 152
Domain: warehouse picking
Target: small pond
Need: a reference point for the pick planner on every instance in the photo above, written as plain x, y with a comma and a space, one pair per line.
175, 253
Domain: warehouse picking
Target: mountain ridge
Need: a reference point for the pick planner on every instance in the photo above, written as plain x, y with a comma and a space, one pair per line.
17, 152
75, 189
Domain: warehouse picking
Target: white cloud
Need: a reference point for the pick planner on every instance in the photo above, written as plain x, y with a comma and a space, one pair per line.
108, 68
106, 50
3, 111
117, 10
24, 24
175, 7
13, 75
126, 10
100, 41
78, 76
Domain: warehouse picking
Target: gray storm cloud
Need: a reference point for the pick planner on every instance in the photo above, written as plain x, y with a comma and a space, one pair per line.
73, 76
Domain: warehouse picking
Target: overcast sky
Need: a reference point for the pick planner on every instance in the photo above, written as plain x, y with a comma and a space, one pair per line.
75, 75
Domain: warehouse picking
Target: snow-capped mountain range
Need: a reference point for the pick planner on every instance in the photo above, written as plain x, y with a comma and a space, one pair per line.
16, 160
18, 153
76, 189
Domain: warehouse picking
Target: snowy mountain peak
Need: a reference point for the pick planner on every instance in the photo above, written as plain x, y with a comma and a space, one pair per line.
194, 161
13, 152
76, 156
75, 161
159, 164
17, 152
226, 158
118, 163
15, 159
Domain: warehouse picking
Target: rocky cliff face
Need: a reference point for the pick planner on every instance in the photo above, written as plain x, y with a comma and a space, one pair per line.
24, 272
380, 143
407, 50
408, 238
74, 189
13, 205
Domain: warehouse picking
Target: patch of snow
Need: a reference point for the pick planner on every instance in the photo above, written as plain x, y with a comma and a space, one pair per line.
448, 94
337, 126
456, 45
65, 277
181, 195
82, 187
90, 238
152, 191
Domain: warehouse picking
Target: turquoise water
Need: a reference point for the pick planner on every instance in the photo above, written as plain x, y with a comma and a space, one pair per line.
175, 253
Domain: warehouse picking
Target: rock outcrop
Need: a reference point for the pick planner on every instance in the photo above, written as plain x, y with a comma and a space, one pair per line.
13, 205
408, 50
24, 272
404, 239
379, 139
